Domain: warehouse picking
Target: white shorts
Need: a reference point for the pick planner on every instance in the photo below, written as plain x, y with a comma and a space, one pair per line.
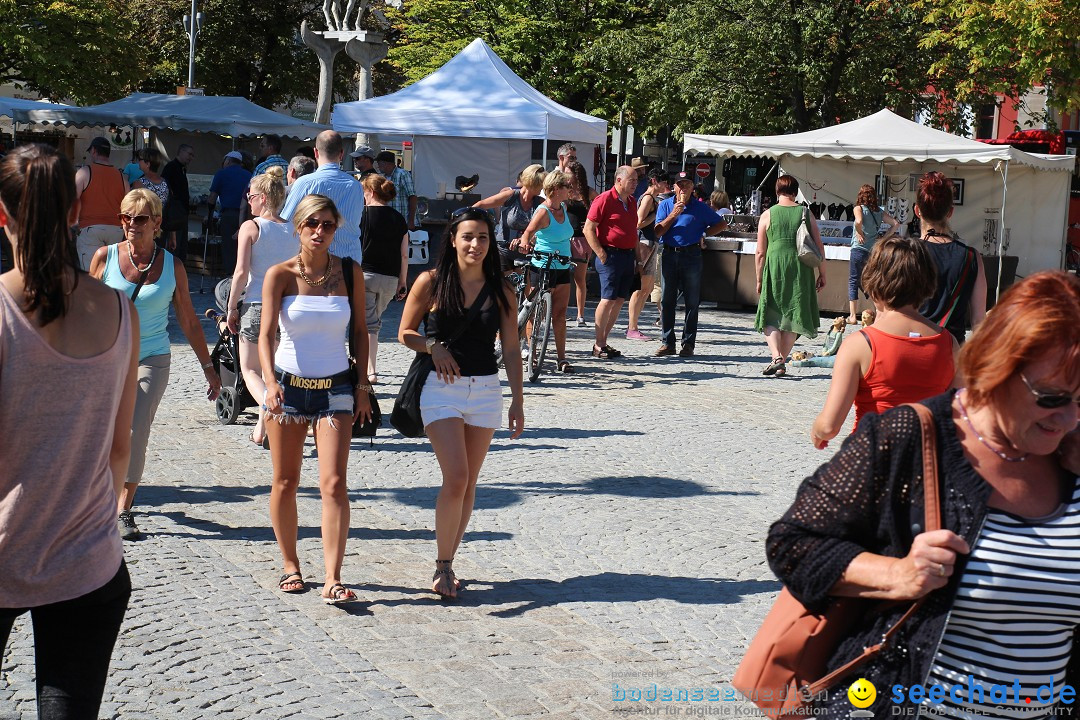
476, 399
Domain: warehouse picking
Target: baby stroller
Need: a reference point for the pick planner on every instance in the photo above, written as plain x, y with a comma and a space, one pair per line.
234, 396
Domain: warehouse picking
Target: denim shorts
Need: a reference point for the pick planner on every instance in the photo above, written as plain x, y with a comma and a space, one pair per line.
476, 399
310, 399
617, 275
250, 321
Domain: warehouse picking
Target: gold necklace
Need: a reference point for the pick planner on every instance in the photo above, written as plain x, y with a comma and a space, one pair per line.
320, 281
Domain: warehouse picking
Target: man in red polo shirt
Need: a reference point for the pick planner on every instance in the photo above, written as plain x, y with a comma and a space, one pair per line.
611, 230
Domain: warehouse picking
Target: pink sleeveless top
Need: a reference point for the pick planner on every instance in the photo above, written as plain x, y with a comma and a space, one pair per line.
58, 536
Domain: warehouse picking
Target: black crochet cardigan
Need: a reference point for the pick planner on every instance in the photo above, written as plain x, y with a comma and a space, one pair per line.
869, 497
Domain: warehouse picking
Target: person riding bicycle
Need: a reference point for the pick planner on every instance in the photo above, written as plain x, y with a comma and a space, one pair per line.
550, 231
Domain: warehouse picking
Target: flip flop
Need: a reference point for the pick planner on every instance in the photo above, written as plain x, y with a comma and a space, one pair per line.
339, 595
286, 579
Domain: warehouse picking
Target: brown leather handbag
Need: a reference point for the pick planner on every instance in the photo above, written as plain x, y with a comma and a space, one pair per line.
784, 667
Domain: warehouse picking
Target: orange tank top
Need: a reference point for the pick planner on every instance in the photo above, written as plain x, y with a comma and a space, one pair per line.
102, 196
903, 370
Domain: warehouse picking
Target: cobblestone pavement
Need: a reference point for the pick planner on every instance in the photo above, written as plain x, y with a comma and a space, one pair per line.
617, 544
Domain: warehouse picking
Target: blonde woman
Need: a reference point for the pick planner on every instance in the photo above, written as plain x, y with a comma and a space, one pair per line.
310, 381
139, 268
517, 208
264, 241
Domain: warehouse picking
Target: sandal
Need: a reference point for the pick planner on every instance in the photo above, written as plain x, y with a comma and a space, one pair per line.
772, 367
444, 572
782, 370
339, 595
285, 580
612, 352
565, 367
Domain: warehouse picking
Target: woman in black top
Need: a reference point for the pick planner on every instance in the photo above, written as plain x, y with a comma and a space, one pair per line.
581, 196
960, 298
384, 237
461, 400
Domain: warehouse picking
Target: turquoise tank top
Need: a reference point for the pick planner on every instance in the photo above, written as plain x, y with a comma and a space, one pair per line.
871, 221
152, 303
555, 238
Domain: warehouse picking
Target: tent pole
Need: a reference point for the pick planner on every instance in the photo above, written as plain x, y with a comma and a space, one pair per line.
543, 159
1001, 230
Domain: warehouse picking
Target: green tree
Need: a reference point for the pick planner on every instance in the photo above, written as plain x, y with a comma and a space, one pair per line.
560, 48
69, 49
247, 48
749, 66
1005, 46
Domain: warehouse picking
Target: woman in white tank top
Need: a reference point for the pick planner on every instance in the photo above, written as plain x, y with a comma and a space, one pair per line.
264, 241
311, 381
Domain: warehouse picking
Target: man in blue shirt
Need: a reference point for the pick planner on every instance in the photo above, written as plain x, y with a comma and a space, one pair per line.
230, 183
682, 222
333, 182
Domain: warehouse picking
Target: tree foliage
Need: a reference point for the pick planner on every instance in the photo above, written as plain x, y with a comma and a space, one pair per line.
247, 48
68, 49
1005, 46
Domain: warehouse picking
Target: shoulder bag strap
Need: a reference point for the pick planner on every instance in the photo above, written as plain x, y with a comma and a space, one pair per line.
932, 508
347, 276
142, 281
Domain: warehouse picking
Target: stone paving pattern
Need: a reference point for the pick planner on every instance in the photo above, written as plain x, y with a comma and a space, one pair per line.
618, 541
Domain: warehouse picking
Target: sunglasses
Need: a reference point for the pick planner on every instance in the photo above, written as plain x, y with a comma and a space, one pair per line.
1049, 401
463, 210
326, 225
249, 195
136, 220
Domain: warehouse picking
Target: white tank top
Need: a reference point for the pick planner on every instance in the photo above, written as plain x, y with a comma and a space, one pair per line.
276, 243
313, 335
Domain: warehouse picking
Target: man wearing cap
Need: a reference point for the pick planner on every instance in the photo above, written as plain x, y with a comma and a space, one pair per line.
333, 182
641, 167
100, 187
230, 183
270, 150
363, 161
405, 201
682, 222
611, 231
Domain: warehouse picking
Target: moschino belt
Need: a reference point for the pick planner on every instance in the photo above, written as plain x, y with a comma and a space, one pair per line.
324, 383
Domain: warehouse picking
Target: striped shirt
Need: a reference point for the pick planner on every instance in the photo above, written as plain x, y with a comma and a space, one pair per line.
1013, 618
348, 197
403, 183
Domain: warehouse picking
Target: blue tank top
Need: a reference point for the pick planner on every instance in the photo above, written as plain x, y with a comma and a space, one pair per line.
555, 238
871, 221
152, 303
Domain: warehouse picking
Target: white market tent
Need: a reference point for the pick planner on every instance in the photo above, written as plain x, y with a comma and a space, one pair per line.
472, 115
18, 109
1010, 197
233, 116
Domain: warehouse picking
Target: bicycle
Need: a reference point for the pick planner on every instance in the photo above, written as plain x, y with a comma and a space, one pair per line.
534, 306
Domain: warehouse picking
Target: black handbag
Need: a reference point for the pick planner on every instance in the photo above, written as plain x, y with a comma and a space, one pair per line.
406, 417
361, 427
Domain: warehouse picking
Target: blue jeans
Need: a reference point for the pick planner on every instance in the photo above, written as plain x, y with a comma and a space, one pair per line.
681, 270
855, 268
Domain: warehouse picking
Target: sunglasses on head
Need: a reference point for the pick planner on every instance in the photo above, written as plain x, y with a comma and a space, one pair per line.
462, 210
326, 225
1049, 401
136, 220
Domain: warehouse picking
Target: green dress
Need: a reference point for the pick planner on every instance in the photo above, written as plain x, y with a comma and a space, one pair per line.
788, 298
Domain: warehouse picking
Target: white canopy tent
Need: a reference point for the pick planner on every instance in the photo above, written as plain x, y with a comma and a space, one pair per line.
18, 109
234, 116
472, 115
833, 162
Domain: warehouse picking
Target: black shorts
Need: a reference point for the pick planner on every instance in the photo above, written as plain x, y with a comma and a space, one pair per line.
558, 277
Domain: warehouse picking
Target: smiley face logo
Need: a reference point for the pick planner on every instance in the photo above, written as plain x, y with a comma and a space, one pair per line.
862, 693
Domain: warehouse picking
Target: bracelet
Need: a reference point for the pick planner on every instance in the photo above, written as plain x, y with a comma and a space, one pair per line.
364, 388
208, 364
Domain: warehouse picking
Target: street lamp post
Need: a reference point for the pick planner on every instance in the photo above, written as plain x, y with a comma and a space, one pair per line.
192, 25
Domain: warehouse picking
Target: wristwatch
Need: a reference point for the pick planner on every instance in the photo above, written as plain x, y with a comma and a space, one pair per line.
429, 344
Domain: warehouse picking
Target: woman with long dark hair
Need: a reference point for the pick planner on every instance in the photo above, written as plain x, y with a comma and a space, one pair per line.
960, 298
64, 453
577, 207
461, 403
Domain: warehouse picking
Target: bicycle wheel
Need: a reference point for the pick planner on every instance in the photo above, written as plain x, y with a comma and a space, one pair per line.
538, 341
